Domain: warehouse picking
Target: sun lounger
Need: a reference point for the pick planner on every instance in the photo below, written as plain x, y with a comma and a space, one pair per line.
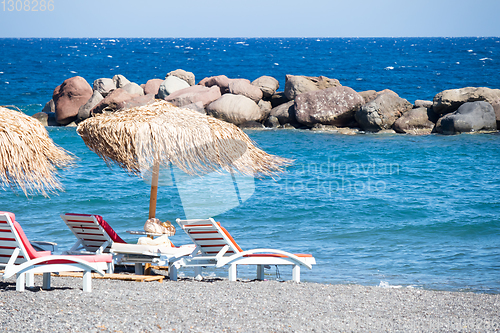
216, 247
94, 235
19, 258
152, 254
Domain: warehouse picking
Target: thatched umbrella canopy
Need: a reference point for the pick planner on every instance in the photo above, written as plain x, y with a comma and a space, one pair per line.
28, 157
159, 134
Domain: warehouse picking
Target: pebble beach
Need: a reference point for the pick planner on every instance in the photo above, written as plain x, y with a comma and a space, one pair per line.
217, 305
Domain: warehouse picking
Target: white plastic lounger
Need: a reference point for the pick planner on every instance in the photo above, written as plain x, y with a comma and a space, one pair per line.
94, 235
216, 247
19, 258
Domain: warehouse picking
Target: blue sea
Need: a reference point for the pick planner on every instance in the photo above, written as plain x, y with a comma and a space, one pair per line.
378, 210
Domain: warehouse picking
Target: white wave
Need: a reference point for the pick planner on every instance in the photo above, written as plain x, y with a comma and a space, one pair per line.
73, 72
7, 82
110, 56
384, 284
470, 51
1, 72
189, 48
389, 68
484, 59
73, 46
359, 79
276, 64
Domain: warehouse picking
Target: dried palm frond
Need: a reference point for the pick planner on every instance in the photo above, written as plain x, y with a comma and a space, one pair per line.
28, 156
197, 144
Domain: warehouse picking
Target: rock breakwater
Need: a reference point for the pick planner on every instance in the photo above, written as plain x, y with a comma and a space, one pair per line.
317, 103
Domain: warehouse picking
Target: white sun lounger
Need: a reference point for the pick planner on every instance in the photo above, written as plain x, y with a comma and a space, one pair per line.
216, 247
19, 258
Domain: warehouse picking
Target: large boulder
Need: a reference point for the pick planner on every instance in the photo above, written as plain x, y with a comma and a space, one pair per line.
469, 117
170, 85
220, 81
46, 118
278, 98
68, 97
245, 88
265, 108
370, 95
296, 85
152, 86
104, 86
268, 84
236, 109
285, 113
120, 81
182, 74
193, 95
382, 112
113, 102
450, 100
84, 110
49, 107
415, 121
136, 101
332, 106
133, 89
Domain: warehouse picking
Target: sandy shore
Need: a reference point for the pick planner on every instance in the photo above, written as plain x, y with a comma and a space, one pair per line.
244, 306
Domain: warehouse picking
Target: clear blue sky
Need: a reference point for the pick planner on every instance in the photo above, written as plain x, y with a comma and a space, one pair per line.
255, 18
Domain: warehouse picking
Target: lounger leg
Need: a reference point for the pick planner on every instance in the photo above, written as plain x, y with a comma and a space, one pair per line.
232, 272
296, 273
138, 269
111, 267
46, 281
87, 281
197, 273
30, 279
172, 273
20, 282
260, 272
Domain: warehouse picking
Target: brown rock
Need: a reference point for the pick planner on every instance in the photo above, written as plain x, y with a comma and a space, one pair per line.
236, 109
450, 100
182, 74
220, 81
267, 84
49, 107
152, 86
415, 121
296, 85
68, 97
84, 110
113, 102
332, 106
245, 88
381, 113
285, 113
136, 101
194, 94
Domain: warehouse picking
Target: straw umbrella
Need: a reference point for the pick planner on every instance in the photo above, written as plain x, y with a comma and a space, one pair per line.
28, 157
158, 134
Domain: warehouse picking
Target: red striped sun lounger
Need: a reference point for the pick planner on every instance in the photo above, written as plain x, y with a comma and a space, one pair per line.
19, 258
216, 247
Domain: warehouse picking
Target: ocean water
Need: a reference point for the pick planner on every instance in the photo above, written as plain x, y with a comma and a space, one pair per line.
397, 210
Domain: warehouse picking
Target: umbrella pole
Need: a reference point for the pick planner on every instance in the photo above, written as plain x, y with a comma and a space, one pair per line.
154, 189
